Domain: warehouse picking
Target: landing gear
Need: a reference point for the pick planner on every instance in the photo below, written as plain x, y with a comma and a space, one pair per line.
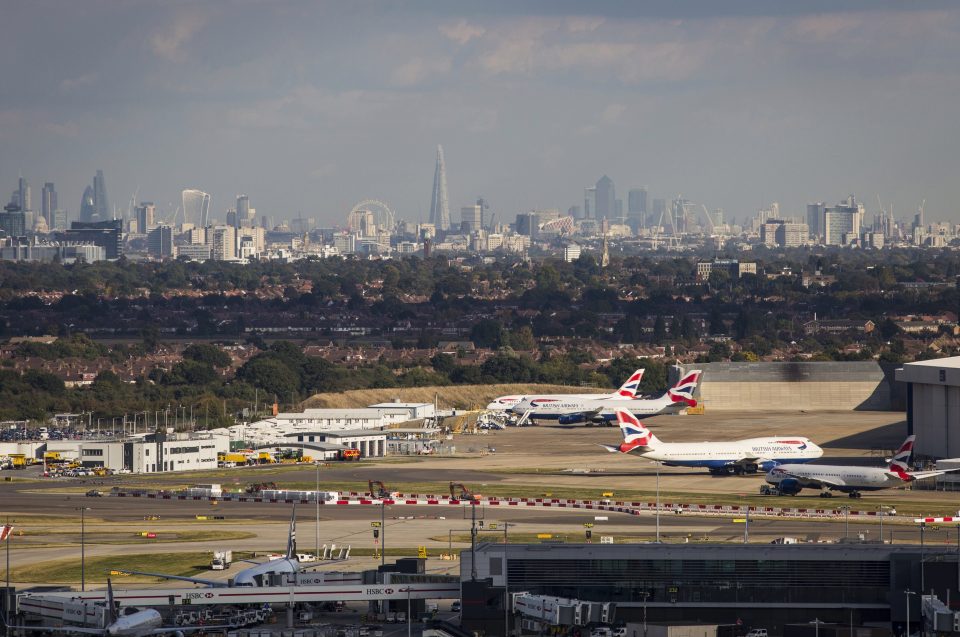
750, 468
826, 494
855, 494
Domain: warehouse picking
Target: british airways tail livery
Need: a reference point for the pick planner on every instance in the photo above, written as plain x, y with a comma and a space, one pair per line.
568, 410
721, 458
627, 391
791, 479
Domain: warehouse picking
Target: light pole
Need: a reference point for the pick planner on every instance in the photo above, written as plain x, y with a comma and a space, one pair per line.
658, 502
846, 520
317, 464
882, 507
409, 618
923, 583
506, 585
383, 534
83, 551
907, 593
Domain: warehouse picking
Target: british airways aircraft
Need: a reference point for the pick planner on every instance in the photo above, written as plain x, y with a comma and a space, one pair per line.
568, 411
721, 458
791, 479
627, 391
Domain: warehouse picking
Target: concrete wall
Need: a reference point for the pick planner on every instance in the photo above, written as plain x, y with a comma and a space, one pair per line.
793, 386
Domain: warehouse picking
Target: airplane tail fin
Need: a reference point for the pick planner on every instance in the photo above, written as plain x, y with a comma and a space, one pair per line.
111, 606
630, 388
900, 463
684, 389
292, 537
635, 434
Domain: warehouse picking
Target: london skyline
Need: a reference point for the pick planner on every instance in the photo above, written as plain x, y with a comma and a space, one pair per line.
310, 108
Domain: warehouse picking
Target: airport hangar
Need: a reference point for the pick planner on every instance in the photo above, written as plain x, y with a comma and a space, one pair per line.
933, 405
793, 386
759, 585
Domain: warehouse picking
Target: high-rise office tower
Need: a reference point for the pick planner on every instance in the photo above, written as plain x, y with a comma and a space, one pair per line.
146, 213
100, 204
606, 199
48, 202
439, 206
22, 195
590, 203
87, 208
637, 206
160, 242
471, 218
244, 212
842, 223
815, 213
196, 207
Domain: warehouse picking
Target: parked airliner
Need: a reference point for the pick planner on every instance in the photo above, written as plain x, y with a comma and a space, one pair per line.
567, 411
791, 479
721, 458
627, 391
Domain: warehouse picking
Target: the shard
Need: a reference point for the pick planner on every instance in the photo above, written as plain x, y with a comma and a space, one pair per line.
439, 205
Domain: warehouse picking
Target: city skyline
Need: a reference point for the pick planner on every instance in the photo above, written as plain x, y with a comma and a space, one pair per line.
334, 104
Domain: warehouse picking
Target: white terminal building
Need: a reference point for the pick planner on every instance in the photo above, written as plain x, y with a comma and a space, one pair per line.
153, 453
278, 428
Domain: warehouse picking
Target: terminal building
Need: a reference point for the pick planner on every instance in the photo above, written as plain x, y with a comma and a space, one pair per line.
766, 586
154, 453
933, 405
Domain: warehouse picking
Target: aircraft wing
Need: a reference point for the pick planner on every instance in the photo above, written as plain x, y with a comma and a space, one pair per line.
920, 475
182, 578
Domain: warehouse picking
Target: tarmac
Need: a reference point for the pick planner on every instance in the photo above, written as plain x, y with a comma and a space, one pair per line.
540, 457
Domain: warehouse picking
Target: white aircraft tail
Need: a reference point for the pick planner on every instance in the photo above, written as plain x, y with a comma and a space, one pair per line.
684, 389
900, 462
292, 537
635, 433
630, 388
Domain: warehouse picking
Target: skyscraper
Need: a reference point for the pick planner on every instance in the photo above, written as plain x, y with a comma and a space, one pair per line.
439, 206
146, 214
606, 199
637, 207
196, 207
244, 212
24, 198
101, 207
87, 208
471, 218
48, 203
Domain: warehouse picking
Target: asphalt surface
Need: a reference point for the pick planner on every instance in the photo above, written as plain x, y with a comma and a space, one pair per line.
547, 457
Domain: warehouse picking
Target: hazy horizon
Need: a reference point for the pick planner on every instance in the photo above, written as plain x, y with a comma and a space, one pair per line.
311, 107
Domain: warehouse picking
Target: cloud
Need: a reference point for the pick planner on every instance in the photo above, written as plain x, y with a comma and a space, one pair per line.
461, 31
65, 129
169, 43
581, 24
417, 70
612, 113
71, 83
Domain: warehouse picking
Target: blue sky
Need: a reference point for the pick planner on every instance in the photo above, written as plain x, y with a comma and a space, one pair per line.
309, 107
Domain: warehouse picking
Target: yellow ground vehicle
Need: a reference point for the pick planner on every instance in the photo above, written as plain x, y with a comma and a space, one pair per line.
18, 460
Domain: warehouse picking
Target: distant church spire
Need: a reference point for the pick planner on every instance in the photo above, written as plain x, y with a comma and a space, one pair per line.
439, 205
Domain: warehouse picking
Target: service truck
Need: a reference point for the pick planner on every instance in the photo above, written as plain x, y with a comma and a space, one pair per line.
221, 560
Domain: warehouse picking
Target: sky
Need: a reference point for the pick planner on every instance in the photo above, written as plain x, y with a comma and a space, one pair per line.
309, 107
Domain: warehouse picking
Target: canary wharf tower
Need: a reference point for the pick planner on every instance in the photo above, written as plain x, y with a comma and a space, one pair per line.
439, 206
